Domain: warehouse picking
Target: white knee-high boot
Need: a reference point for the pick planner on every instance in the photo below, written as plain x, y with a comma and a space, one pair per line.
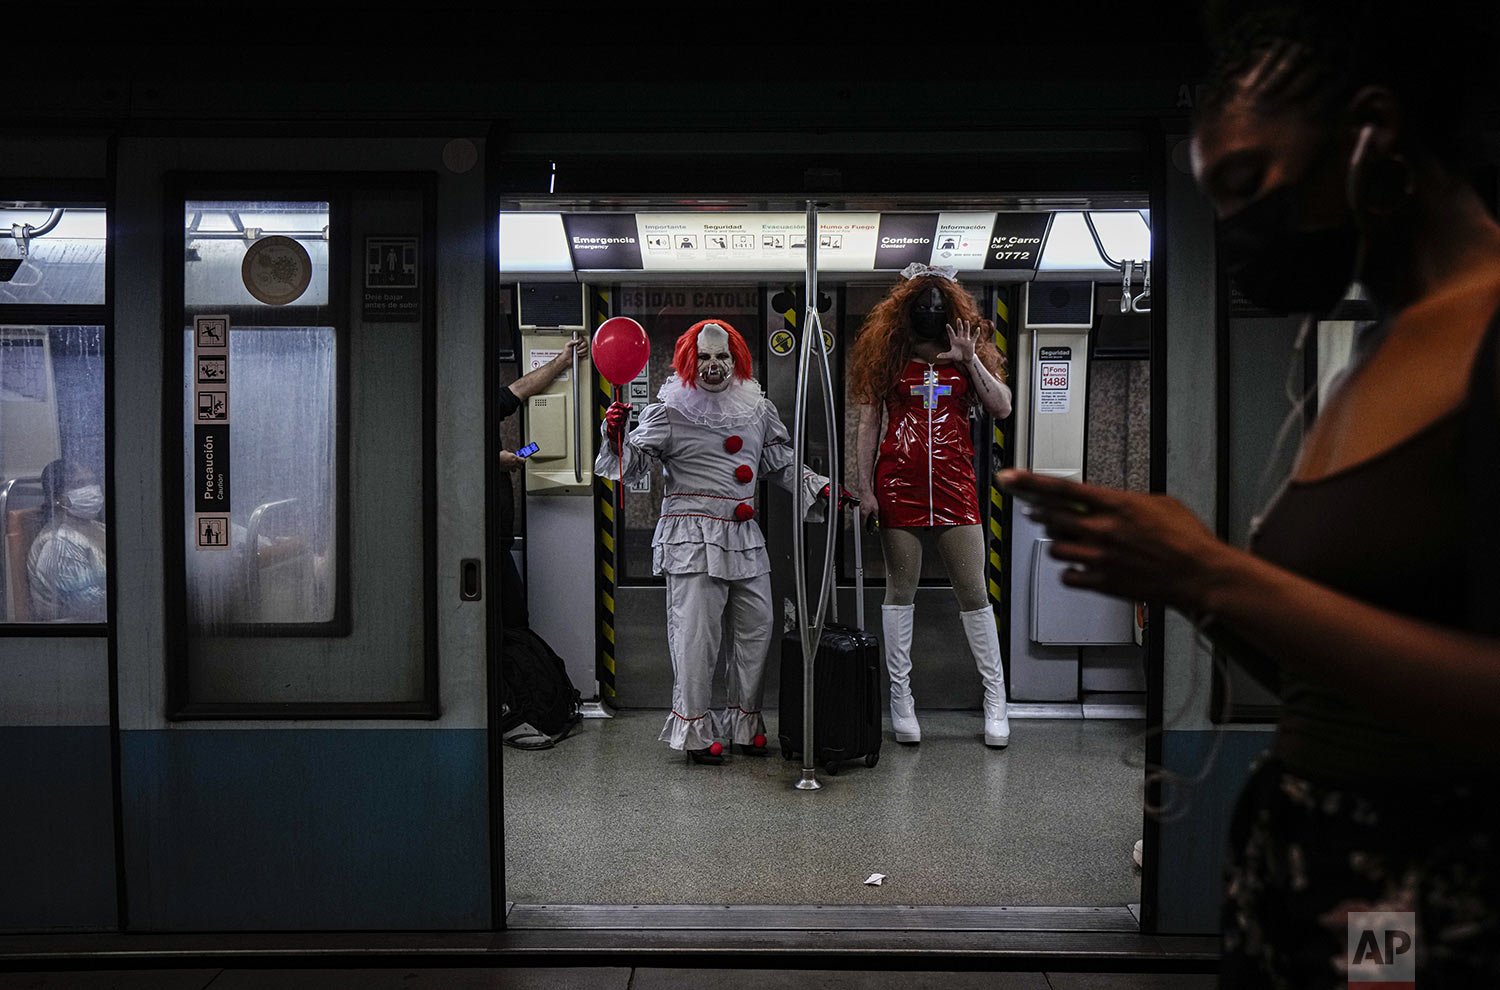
896, 623
984, 643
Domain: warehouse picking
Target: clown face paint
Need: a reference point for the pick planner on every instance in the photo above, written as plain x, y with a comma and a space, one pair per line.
715, 363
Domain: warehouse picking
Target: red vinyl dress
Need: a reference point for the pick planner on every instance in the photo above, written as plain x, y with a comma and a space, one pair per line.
924, 471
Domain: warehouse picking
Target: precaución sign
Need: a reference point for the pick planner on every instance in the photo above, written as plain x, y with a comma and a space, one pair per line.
211, 431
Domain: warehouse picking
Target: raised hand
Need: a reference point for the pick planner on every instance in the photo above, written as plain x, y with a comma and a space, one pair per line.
617, 421
963, 338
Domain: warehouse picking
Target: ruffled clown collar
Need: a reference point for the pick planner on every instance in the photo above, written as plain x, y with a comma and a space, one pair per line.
734, 406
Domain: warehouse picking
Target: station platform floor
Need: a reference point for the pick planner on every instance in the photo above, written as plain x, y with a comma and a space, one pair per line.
611, 816
589, 978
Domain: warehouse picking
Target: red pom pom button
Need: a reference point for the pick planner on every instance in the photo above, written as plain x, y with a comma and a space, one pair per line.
733, 444
759, 741
743, 474
743, 512
717, 749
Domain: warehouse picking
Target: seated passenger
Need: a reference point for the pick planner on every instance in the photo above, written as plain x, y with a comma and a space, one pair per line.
66, 566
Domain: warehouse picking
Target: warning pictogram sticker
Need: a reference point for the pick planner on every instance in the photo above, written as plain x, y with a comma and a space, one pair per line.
211, 331
783, 342
213, 532
213, 406
213, 369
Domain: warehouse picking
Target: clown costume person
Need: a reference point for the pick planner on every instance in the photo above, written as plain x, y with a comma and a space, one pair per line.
922, 362
716, 436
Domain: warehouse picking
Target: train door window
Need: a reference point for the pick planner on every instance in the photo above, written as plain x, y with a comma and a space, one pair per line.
53, 479
859, 300
665, 311
267, 554
267, 380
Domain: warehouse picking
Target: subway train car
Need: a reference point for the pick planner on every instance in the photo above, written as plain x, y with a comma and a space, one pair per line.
257, 534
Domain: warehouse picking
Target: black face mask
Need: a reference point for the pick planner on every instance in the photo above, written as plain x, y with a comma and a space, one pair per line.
929, 326
930, 323
1281, 268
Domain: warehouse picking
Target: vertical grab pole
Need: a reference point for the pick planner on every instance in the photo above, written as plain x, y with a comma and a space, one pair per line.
827, 597
577, 422
810, 625
805, 628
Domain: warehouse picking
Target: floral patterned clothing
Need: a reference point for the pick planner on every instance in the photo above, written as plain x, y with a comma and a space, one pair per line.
1304, 853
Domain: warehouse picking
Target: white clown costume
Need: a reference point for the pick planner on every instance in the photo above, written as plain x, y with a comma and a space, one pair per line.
715, 446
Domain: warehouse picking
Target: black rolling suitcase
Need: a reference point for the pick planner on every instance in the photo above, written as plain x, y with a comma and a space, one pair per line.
846, 671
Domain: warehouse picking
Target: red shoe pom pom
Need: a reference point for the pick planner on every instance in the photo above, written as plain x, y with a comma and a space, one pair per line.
759, 742
733, 444
743, 512
717, 749
743, 474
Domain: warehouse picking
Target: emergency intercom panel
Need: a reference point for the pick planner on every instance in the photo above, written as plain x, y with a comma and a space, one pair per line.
563, 462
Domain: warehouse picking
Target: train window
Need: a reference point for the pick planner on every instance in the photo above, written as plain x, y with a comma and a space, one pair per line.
282, 537
52, 477
860, 299
238, 254
53, 328
665, 311
52, 254
260, 418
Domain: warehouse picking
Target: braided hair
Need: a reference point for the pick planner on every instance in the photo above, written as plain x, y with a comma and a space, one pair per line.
1313, 56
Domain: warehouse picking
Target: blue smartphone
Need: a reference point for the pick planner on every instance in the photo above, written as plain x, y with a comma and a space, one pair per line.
528, 450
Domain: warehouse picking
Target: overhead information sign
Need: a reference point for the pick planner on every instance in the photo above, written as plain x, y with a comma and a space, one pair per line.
704, 243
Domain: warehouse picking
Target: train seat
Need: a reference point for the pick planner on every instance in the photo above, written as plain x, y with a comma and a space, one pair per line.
21, 529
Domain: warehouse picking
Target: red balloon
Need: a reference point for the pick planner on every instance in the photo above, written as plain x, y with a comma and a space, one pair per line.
621, 349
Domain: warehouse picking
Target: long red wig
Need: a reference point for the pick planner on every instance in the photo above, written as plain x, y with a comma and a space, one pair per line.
884, 344
685, 357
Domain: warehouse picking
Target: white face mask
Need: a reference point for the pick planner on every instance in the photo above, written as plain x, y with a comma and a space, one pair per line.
86, 501
715, 363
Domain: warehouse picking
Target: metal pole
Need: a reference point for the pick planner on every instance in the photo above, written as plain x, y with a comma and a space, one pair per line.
805, 629
577, 422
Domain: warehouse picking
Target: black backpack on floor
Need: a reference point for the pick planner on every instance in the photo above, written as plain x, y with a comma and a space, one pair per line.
541, 704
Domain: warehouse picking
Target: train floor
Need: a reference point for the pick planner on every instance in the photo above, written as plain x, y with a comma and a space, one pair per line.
611, 816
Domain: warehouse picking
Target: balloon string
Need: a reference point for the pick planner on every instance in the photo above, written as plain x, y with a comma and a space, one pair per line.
620, 461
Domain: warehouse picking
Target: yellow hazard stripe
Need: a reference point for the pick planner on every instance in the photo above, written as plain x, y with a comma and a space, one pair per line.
609, 511
994, 591
994, 560
609, 572
995, 529
995, 498
609, 541
609, 634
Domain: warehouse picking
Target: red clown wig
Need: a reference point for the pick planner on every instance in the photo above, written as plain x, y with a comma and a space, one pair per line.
685, 358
